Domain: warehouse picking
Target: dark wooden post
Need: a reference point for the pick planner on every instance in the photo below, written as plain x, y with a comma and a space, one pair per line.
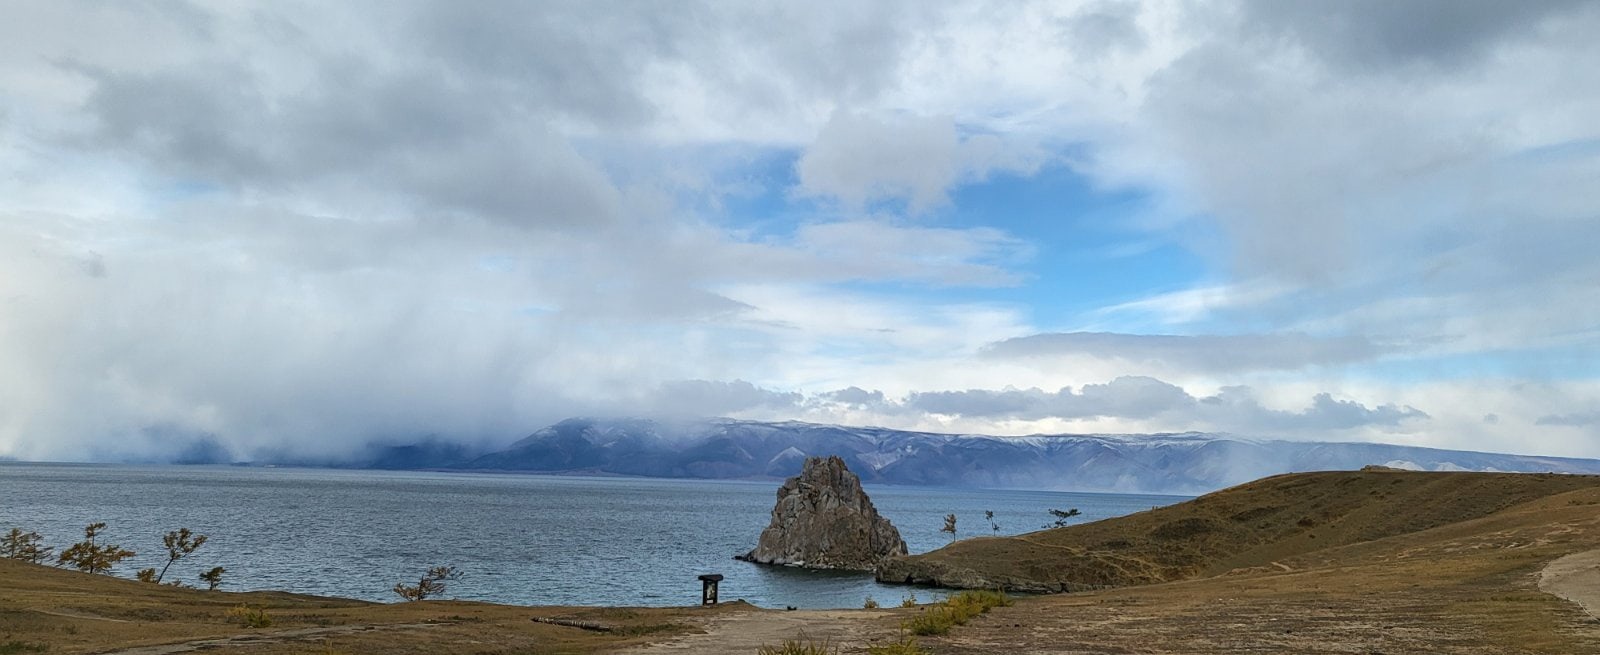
708, 588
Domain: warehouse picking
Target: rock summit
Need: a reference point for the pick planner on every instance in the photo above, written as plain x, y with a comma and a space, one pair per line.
823, 520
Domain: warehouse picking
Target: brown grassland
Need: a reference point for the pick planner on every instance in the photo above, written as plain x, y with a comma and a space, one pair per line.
1369, 562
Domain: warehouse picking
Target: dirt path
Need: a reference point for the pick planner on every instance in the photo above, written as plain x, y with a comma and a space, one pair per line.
260, 638
744, 632
1575, 577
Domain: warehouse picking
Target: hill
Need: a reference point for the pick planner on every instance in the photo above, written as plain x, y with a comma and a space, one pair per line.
1252, 525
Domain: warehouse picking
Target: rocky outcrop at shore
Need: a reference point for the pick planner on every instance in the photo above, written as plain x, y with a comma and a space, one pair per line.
823, 520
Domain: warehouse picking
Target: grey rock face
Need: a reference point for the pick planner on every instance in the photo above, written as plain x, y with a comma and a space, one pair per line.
823, 520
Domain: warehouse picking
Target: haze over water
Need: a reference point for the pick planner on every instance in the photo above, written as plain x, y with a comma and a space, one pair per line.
519, 539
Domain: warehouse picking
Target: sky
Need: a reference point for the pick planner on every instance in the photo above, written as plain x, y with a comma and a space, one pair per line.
307, 226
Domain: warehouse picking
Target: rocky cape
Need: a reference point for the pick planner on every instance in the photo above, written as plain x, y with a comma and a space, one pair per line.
823, 520
1187, 463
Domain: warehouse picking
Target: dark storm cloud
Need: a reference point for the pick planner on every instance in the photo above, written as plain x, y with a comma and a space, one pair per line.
1201, 353
355, 135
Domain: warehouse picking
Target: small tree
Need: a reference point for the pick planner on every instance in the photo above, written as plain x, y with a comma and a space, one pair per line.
25, 546
180, 544
1061, 517
988, 515
146, 575
949, 526
431, 584
213, 578
90, 557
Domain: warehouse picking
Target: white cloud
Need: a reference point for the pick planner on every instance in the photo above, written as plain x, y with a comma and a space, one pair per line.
860, 159
306, 225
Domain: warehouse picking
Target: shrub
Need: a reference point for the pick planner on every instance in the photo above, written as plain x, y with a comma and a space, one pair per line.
251, 617
910, 600
932, 620
939, 618
985, 598
801, 646
871, 604
906, 646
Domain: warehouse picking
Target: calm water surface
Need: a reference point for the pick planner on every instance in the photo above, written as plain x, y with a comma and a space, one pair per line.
521, 539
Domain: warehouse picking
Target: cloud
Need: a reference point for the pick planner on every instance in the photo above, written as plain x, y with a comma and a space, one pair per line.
1373, 34
1577, 419
855, 396
861, 159
1142, 398
244, 226
1199, 353
1238, 405
697, 398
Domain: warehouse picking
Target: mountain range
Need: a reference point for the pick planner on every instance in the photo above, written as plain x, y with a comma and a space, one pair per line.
1182, 463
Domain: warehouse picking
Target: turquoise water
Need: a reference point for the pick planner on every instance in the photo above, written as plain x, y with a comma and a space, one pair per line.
521, 539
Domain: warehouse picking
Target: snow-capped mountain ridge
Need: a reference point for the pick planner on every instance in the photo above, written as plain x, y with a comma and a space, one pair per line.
1184, 463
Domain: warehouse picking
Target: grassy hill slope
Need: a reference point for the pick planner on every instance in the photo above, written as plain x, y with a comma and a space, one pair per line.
1258, 524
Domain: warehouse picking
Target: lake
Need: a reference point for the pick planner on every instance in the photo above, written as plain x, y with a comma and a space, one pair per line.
518, 539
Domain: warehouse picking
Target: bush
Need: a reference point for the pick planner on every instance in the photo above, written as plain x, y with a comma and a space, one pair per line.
906, 646
985, 598
801, 646
871, 604
939, 618
932, 620
910, 600
250, 617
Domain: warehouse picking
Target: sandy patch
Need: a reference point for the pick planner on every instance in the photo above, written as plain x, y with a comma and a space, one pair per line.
1575, 577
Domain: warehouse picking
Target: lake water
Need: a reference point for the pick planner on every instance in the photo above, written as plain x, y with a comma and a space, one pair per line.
519, 539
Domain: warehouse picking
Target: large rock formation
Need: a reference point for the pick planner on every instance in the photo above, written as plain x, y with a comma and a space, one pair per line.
823, 520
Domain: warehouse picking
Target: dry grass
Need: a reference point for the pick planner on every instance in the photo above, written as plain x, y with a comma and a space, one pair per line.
1258, 524
56, 611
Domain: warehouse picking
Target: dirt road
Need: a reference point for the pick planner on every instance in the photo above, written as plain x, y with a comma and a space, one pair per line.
744, 632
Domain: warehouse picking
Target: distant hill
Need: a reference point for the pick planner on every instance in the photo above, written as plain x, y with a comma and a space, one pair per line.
1188, 463
1279, 523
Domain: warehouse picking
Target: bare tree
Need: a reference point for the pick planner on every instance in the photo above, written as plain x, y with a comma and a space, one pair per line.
213, 578
91, 557
431, 584
25, 546
1061, 517
180, 543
